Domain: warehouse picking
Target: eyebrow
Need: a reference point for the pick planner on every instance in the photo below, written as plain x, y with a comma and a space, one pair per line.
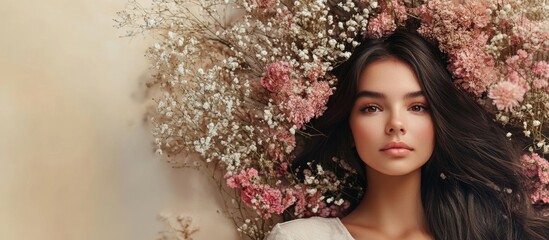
371, 94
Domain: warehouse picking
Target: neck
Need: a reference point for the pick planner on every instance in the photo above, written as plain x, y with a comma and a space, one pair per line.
392, 204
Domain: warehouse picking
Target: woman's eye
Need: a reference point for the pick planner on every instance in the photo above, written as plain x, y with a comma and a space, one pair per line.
419, 108
368, 109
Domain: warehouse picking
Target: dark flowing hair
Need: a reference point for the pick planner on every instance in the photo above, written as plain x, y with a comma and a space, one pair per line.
472, 187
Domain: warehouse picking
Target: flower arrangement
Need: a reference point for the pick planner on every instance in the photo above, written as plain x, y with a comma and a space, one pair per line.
240, 80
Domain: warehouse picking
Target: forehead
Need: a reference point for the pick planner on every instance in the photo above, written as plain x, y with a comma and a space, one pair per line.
387, 76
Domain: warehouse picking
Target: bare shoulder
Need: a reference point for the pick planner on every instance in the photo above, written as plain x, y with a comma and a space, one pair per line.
310, 228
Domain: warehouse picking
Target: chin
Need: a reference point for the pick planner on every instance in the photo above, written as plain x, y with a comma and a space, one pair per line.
395, 168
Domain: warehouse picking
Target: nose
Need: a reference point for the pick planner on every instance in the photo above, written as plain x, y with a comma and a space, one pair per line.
395, 125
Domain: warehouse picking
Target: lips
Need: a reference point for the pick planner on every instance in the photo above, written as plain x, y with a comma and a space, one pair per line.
397, 149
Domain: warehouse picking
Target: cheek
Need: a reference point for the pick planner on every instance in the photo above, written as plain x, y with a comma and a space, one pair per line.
423, 129
365, 132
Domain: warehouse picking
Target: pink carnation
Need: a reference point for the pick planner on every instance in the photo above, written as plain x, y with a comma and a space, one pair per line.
530, 164
283, 146
242, 180
264, 198
542, 68
316, 72
543, 170
301, 110
267, 200
522, 54
276, 76
516, 78
540, 83
381, 25
473, 70
506, 95
541, 194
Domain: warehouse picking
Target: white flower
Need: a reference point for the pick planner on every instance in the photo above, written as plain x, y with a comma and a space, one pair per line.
206, 105
443, 176
171, 35
311, 191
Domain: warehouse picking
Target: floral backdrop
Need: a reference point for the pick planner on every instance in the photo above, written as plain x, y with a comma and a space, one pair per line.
239, 81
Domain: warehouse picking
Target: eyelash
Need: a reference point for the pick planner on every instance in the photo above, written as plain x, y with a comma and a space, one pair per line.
363, 109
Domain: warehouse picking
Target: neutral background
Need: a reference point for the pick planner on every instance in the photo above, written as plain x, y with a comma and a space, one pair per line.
76, 160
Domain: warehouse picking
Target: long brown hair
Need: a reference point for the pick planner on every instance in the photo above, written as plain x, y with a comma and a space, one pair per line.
472, 186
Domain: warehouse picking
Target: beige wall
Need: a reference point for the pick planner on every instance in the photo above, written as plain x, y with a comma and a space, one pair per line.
75, 155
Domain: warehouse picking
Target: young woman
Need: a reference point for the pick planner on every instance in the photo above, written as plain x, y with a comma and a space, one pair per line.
433, 163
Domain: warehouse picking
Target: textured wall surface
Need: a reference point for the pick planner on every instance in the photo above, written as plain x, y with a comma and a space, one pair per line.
75, 155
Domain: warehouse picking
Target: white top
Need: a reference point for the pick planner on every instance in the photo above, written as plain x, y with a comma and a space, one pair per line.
316, 228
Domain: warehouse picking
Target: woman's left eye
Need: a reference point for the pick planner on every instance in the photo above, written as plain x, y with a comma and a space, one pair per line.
419, 108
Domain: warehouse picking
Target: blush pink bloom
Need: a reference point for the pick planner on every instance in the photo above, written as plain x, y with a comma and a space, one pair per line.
540, 83
284, 145
301, 110
267, 200
541, 194
530, 164
516, 78
242, 180
474, 71
542, 68
543, 170
381, 25
316, 72
320, 92
506, 95
276, 76
522, 54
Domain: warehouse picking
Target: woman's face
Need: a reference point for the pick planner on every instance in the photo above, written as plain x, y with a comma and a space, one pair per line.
390, 120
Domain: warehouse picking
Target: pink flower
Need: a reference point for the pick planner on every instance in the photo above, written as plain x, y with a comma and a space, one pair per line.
264, 198
522, 54
267, 200
244, 179
540, 83
543, 170
301, 110
473, 70
298, 110
381, 25
316, 72
506, 95
320, 92
284, 144
529, 164
542, 68
516, 78
305, 202
541, 194
276, 76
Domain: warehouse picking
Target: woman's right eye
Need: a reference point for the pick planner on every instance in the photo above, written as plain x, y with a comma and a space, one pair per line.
371, 108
